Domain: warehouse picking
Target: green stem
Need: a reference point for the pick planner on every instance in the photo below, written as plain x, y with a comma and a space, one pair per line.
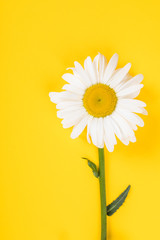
102, 194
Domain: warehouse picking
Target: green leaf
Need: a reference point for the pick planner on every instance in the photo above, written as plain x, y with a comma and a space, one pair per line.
93, 167
115, 205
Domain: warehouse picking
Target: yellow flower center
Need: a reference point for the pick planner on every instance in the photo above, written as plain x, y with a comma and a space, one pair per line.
99, 100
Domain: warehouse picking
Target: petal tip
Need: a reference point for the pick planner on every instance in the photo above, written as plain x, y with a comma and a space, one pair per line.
129, 65
115, 55
141, 76
111, 149
72, 136
145, 112
51, 94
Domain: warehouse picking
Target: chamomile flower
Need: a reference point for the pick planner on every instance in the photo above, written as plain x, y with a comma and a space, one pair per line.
101, 98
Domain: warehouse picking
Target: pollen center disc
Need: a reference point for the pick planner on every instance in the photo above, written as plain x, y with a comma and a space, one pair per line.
99, 100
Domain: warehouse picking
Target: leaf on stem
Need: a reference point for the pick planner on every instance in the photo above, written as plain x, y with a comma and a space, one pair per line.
115, 205
93, 167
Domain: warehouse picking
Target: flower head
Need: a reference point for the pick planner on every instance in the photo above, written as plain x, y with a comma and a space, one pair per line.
101, 98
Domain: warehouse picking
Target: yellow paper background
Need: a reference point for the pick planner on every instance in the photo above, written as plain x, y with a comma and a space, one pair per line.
47, 190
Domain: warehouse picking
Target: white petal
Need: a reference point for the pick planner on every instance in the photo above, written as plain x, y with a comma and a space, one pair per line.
89, 68
132, 105
51, 94
82, 74
96, 61
109, 129
110, 68
73, 89
119, 76
109, 137
132, 139
70, 78
123, 125
131, 123
70, 110
78, 129
57, 97
135, 102
88, 128
130, 90
100, 132
114, 73
108, 143
131, 82
118, 131
72, 119
132, 95
131, 117
96, 66
102, 67
93, 131
76, 75
66, 104
122, 83
143, 111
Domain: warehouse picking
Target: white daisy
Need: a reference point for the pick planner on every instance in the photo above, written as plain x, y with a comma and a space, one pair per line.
101, 97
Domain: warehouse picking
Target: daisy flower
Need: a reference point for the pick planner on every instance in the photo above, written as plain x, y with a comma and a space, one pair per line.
101, 98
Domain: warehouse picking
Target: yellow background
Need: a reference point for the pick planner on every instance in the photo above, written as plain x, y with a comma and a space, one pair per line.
47, 190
